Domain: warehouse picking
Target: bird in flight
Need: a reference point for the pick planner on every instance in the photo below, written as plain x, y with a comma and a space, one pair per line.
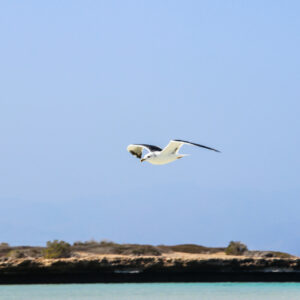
158, 156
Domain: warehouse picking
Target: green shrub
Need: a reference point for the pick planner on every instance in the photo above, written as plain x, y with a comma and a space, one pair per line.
236, 248
4, 245
4, 249
16, 254
57, 249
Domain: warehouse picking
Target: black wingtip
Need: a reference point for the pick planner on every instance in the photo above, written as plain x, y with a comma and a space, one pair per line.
195, 144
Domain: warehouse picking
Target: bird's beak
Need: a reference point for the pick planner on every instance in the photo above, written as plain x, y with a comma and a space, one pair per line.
143, 159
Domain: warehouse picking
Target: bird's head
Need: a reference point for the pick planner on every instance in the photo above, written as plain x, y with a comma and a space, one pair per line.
146, 157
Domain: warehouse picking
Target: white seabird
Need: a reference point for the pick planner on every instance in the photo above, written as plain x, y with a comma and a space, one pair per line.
158, 156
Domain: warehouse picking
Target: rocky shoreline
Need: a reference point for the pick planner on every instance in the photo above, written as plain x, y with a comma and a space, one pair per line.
179, 268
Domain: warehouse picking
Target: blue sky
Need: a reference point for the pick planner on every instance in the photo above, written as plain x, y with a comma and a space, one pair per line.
80, 80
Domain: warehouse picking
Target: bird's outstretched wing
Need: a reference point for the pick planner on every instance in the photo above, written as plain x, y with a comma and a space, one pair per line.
137, 149
174, 146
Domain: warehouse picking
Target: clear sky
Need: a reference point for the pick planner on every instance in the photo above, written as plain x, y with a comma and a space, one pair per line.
80, 80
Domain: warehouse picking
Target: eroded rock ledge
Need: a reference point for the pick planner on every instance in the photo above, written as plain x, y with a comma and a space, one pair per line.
112, 268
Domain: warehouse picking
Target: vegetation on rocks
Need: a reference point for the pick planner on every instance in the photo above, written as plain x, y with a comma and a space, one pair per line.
61, 249
57, 249
190, 248
108, 247
4, 245
236, 248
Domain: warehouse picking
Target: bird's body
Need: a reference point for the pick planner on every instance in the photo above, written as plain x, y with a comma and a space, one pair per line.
158, 156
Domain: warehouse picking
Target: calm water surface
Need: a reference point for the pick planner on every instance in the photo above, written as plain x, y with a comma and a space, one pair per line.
153, 291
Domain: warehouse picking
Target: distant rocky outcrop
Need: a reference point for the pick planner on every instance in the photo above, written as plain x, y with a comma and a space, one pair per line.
111, 262
61, 249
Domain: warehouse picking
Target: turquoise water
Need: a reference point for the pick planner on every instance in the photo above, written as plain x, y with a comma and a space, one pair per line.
153, 291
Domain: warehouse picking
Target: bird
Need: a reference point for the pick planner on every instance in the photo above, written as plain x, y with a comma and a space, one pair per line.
158, 156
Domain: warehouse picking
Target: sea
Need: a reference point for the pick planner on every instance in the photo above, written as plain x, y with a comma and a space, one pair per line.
152, 291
